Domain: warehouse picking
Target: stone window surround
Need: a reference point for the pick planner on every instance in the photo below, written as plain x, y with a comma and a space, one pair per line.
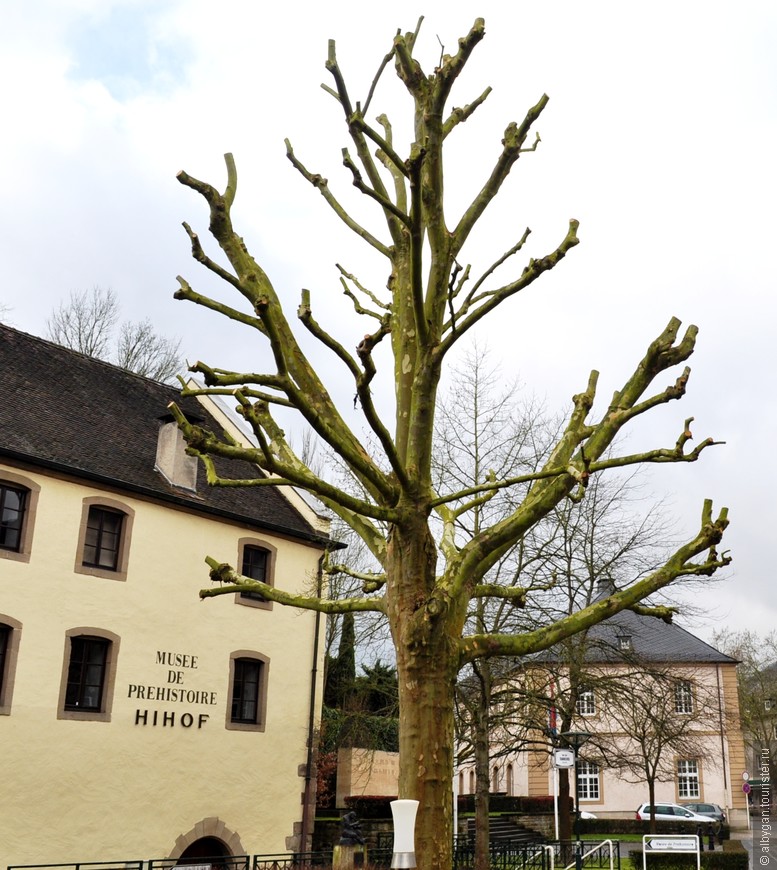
124, 546
9, 669
269, 577
30, 510
261, 703
111, 659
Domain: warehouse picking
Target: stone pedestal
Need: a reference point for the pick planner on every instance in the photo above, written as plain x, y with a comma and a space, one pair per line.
349, 857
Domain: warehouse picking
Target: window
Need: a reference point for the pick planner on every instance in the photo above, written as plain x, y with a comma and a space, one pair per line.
12, 505
255, 567
688, 779
683, 697
495, 779
624, 642
588, 780
18, 502
88, 674
247, 691
768, 703
103, 544
10, 632
586, 702
103, 537
509, 779
257, 561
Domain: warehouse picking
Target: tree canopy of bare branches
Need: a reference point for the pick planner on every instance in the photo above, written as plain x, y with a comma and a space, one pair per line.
432, 298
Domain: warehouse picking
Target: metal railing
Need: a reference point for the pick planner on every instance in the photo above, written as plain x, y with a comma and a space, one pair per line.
505, 854
234, 862
82, 865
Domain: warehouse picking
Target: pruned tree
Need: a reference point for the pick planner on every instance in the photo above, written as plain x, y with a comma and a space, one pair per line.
430, 302
87, 323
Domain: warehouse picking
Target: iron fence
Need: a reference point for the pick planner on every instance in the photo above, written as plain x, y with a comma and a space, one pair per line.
234, 862
505, 855
82, 865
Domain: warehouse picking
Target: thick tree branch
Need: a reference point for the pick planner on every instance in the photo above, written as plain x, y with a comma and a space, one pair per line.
678, 565
490, 300
221, 572
512, 147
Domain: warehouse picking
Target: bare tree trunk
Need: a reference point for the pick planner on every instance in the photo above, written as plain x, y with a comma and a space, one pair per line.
564, 816
425, 750
482, 789
427, 665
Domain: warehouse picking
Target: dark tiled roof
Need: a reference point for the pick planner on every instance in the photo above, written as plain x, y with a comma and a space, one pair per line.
90, 419
650, 640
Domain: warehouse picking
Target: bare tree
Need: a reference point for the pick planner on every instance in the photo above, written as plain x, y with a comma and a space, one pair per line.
757, 684
87, 323
655, 717
139, 349
429, 303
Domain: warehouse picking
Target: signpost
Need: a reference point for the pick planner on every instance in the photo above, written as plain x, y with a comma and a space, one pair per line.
563, 757
681, 843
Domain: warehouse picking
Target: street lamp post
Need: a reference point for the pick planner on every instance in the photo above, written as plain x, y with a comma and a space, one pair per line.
574, 740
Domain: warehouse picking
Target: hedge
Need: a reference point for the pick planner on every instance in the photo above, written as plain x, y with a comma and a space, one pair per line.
726, 860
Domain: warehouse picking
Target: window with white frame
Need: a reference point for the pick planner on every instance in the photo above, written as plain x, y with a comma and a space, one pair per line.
586, 702
688, 779
588, 780
683, 697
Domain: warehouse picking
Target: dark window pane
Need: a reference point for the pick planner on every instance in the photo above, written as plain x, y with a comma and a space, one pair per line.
13, 502
245, 691
255, 567
86, 673
5, 634
103, 538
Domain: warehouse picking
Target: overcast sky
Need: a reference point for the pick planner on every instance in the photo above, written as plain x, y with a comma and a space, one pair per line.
659, 138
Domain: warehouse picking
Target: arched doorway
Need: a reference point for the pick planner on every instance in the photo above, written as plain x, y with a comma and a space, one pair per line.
205, 847
209, 838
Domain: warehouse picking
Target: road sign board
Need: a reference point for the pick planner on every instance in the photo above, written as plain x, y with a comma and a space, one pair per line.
745, 776
681, 843
564, 758
746, 788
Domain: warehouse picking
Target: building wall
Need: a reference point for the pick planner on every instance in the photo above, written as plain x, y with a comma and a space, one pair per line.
719, 753
159, 773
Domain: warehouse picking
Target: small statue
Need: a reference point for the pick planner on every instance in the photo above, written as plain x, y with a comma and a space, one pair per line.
351, 834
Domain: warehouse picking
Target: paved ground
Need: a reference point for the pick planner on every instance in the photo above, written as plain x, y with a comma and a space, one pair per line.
761, 844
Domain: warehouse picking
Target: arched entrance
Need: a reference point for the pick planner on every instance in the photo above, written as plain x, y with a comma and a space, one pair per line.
209, 838
205, 847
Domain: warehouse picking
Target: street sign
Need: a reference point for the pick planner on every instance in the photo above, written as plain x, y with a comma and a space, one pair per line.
563, 758
680, 843
746, 787
745, 776
688, 843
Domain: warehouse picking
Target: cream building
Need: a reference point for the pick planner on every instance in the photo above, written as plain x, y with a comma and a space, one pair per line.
639, 667
136, 721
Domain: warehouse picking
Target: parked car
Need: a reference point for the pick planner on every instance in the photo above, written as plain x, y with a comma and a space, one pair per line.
712, 810
584, 814
672, 813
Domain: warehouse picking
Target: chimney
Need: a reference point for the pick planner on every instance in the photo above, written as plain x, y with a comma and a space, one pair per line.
172, 461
